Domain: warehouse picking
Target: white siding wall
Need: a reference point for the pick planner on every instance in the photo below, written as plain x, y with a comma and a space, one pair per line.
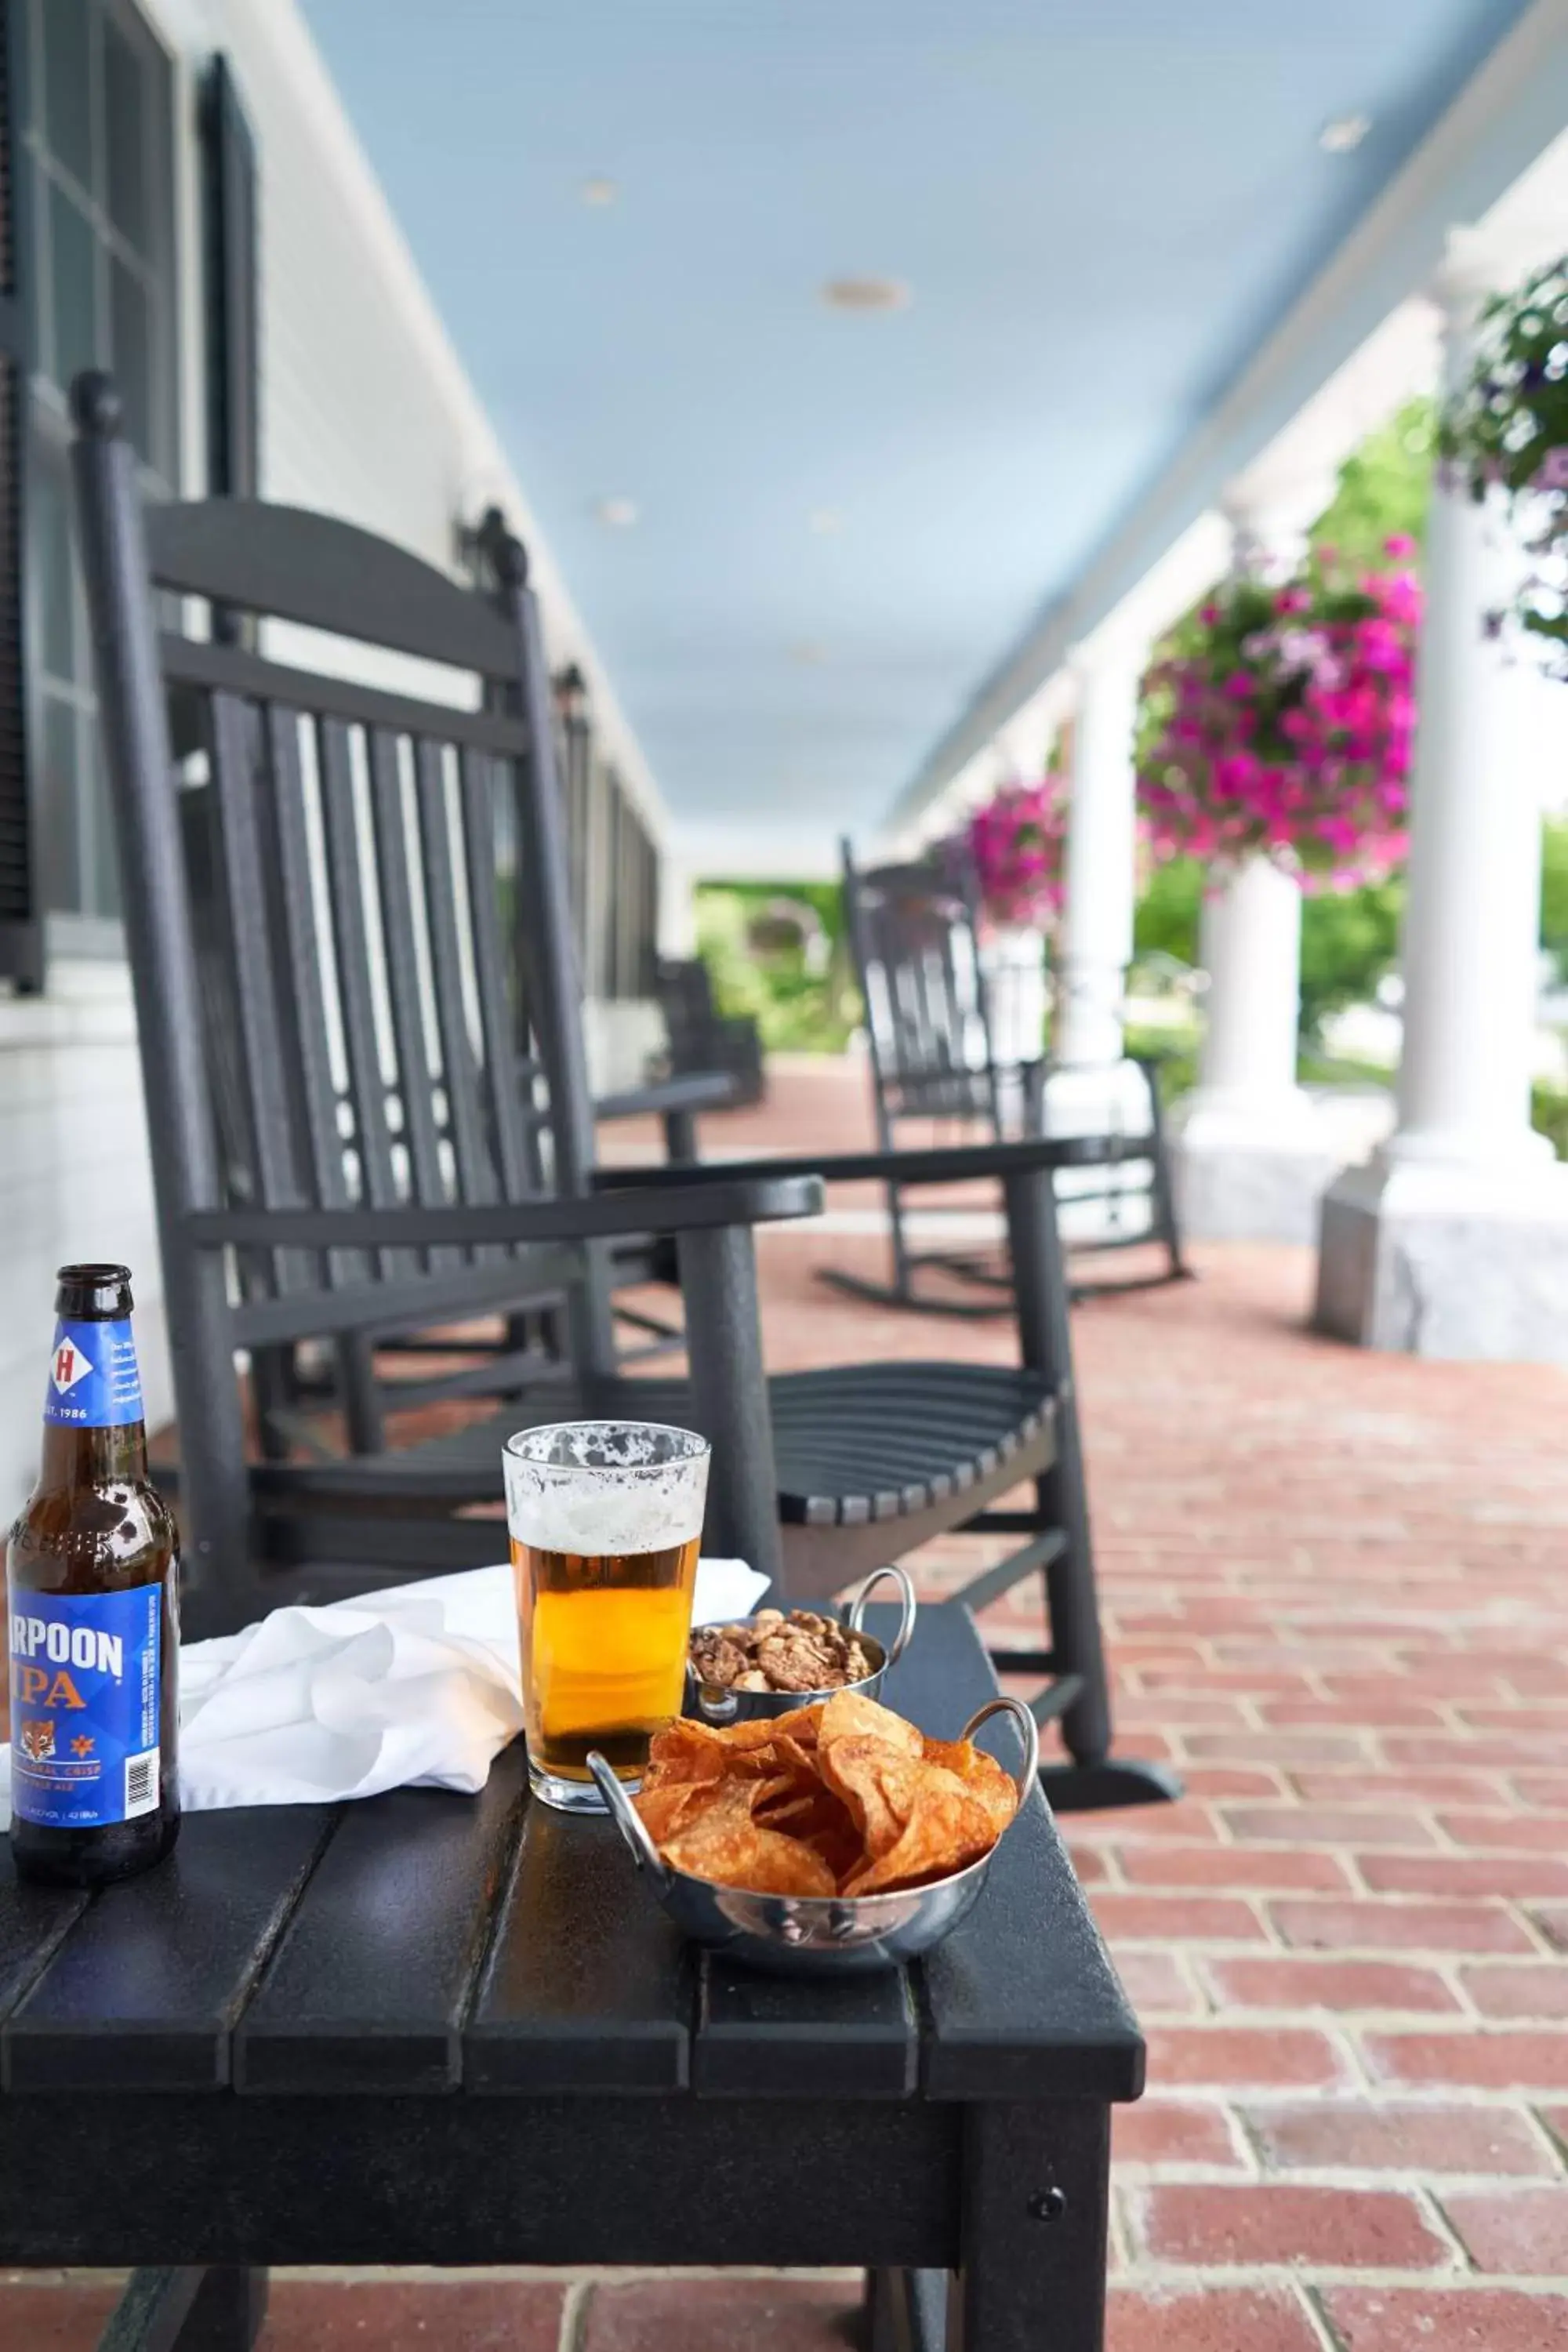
74, 1184
365, 412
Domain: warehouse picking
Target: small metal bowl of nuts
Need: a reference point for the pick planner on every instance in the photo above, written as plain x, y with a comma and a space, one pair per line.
777, 1661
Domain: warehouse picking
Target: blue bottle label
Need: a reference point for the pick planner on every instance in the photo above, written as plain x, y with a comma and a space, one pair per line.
85, 1675
93, 1381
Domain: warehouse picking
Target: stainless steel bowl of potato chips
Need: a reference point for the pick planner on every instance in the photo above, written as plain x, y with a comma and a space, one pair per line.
833, 1839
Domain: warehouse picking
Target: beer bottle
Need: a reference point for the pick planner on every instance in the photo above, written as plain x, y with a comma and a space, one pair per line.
93, 1572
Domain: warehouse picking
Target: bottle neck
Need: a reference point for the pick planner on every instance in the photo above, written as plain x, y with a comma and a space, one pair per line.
93, 1457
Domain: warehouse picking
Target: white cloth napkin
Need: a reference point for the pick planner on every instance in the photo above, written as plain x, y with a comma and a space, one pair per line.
417, 1686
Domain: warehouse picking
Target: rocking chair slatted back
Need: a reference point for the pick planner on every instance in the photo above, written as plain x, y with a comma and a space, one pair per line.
914, 931
354, 948
345, 913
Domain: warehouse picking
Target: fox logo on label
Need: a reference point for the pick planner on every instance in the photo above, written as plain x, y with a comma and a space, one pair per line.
38, 1740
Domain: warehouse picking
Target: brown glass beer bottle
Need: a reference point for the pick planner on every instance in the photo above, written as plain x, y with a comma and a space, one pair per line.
92, 1570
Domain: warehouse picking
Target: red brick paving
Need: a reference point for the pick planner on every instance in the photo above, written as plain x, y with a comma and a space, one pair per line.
717, 2315
1386, 2320
399, 2315
65, 2317
1335, 1588
1214, 2319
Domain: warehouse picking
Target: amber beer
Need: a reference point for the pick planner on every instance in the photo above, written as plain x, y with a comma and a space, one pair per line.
93, 1572
605, 1519
605, 1637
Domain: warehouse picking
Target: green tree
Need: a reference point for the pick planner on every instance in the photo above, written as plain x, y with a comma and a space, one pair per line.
801, 999
1350, 940
1384, 488
1166, 918
1555, 892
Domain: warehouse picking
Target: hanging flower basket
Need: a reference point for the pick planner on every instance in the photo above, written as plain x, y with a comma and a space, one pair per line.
1507, 430
1285, 724
1017, 844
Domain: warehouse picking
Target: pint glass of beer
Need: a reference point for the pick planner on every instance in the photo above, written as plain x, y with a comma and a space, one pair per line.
605, 1519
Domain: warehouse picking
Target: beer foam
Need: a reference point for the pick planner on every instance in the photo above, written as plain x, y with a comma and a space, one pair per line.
603, 1508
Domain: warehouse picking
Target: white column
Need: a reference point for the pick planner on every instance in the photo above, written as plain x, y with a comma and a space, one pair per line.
1251, 1157
1453, 1240
1251, 942
1473, 894
1250, 945
1097, 921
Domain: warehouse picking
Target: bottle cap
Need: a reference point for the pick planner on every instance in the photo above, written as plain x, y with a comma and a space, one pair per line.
93, 1293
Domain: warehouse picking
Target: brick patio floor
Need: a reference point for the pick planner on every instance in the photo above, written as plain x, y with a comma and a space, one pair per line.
1336, 1590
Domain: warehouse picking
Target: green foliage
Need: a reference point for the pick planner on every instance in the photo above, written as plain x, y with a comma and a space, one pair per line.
1177, 1065
1384, 489
1166, 919
803, 1002
1548, 1114
1554, 893
1349, 940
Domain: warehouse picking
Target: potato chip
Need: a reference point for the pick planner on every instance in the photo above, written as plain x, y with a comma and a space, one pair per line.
819, 1820
847, 1715
984, 1779
674, 1804
879, 1786
945, 1831
725, 1845
685, 1750
840, 1796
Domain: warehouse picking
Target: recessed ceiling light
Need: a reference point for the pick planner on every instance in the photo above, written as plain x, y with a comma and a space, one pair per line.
599, 191
808, 654
866, 294
825, 521
616, 514
1343, 133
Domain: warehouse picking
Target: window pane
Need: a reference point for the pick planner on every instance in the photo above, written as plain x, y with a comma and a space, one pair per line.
132, 359
59, 839
72, 278
125, 102
49, 553
67, 86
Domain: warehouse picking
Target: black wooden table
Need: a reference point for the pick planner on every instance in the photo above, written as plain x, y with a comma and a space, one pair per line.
433, 2029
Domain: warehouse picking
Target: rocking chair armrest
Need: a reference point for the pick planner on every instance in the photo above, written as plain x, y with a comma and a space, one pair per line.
697, 1090
684, 1208
957, 1164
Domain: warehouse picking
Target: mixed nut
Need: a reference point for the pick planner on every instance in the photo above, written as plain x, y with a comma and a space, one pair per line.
771, 1651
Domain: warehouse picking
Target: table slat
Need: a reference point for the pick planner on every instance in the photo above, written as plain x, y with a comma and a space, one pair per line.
761, 2036
765, 2037
32, 1921
143, 1990
368, 1988
588, 1987
1021, 1999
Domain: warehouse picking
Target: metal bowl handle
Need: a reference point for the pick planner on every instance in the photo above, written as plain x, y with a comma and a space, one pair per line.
629, 1822
1029, 1732
713, 1704
854, 1616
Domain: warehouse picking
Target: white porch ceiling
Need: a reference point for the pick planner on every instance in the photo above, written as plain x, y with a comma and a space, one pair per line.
1103, 210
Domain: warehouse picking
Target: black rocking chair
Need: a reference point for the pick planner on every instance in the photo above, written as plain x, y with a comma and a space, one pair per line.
350, 900
701, 1038
930, 1026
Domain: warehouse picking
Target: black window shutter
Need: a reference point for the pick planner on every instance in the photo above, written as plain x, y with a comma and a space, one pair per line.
233, 295
21, 929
